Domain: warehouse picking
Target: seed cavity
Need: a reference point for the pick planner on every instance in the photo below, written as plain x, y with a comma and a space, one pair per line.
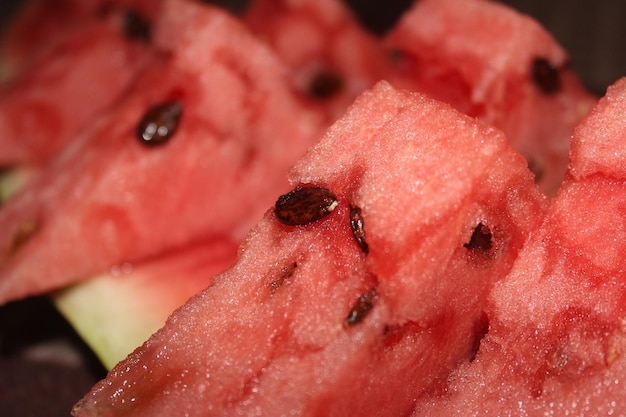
325, 84
481, 240
136, 27
536, 168
545, 76
23, 234
356, 224
361, 308
285, 274
159, 123
481, 327
304, 205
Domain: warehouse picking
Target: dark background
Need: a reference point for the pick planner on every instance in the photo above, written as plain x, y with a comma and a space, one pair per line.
44, 367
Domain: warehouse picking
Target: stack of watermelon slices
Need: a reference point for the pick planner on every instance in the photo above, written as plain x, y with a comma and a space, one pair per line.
110, 224
326, 277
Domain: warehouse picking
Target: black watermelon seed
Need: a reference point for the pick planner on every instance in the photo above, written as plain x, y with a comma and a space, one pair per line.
545, 76
356, 224
304, 205
481, 239
159, 123
325, 84
361, 308
136, 27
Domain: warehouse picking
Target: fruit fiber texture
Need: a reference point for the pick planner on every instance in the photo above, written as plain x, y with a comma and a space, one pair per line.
368, 301
557, 322
107, 198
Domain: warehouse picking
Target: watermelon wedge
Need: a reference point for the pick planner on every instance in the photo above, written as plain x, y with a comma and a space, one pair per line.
332, 59
66, 89
108, 198
363, 286
492, 62
41, 26
557, 333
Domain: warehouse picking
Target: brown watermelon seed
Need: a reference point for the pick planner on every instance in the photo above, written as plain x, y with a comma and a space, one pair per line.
304, 205
361, 308
356, 224
23, 234
545, 76
325, 84
159, 123
136, 27
481, 239
286, 273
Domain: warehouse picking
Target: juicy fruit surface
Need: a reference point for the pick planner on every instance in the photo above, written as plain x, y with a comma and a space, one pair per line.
557, 333
513, 74
308, 322
234, 138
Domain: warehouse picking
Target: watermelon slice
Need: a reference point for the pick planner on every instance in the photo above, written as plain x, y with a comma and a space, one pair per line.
557, 323
41, 26
360, 290
331, 57
66, 89
494, 63
108, 198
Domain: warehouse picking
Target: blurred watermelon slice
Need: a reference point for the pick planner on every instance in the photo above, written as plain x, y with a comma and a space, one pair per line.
360, 290
332, 59
501, 66
235, 137
40, 26
82, 61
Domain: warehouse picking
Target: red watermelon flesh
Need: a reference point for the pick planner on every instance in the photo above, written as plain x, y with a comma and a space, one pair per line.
65, 89
313, 321
557, 322
331, 57
599, 143
41, 26
494, 63
108, 199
